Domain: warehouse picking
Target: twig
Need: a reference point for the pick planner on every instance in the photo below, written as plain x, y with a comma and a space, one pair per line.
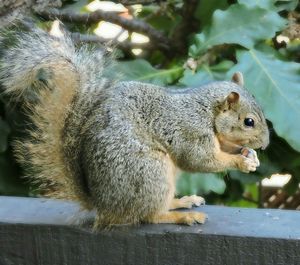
125, 45
135, 25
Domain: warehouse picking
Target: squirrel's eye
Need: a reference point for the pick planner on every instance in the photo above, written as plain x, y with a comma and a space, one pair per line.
249, 122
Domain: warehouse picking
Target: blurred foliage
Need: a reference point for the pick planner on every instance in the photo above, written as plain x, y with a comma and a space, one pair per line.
224, 37
10, 122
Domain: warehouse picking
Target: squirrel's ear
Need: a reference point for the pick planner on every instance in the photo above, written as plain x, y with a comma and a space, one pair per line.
229, 102
238, 78
233, 98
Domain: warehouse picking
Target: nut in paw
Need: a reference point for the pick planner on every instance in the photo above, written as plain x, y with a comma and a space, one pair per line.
251, 154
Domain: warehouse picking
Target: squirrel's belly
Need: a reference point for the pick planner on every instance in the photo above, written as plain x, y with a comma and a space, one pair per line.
134, 196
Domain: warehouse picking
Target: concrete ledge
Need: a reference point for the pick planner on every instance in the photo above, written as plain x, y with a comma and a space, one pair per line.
40, 231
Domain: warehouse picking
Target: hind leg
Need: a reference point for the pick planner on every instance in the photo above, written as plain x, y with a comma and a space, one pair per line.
175, 217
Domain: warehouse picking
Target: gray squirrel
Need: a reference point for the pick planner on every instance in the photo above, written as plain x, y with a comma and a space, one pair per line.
116, 146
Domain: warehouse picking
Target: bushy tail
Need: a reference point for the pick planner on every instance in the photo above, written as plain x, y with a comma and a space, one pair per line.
47, 72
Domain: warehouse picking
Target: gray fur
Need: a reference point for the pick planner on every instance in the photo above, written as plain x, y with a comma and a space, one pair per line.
115, 134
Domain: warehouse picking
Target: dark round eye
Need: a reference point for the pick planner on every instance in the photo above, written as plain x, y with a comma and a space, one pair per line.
249, 122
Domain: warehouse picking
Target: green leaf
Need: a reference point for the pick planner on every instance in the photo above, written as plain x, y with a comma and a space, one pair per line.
143, 71
288, 5
205, 74
242, 203
275, 84
197, 183
239, 24
266, 4
4, 132
206, 8
271, 4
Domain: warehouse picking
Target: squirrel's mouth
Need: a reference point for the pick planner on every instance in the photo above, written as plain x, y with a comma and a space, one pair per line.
234, 146
229, 145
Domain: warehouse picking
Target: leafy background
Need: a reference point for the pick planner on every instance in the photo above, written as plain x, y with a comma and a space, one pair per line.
202, 41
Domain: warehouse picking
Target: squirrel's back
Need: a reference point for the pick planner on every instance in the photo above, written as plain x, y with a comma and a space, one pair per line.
50, 75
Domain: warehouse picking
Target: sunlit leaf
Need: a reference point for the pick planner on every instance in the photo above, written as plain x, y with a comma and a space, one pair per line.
238, 25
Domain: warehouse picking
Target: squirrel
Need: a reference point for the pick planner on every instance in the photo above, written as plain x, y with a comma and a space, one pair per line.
115, 146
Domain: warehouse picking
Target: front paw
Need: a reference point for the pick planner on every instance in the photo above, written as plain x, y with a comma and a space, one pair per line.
248, 160
250, 153
190, 201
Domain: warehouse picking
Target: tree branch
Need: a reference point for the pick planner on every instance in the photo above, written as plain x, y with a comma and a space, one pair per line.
135, 25
188, 25
125, 45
